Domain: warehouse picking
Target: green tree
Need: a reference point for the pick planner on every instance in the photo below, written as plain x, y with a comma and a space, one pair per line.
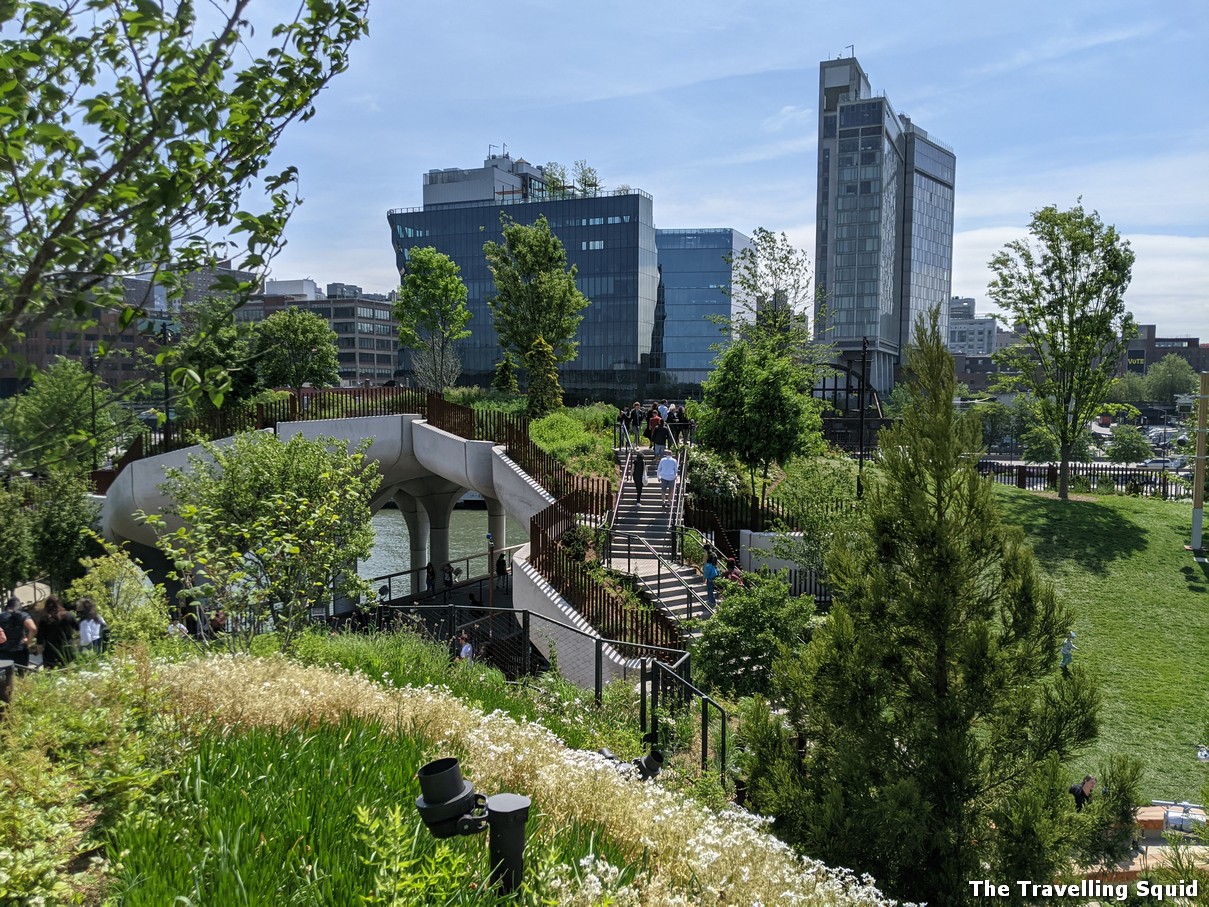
270, 530
930, 698
16, 539
1168, 377
535, 292
217, 351
293, 348
1128, 445
758, 409
62, 528
1065, 292
134, 609
1129, 388
430, 308
134, 133
51, 424
545, 393
504, 379
558, 184
772, 293
585, 178
752, 623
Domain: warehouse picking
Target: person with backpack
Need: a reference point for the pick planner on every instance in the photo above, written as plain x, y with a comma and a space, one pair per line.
19, 629
57, 632
638, 476
661, 438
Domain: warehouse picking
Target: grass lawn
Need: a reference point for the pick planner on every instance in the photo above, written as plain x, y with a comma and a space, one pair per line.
1141, 609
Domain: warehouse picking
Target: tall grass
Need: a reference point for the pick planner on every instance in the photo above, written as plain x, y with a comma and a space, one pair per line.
581, 437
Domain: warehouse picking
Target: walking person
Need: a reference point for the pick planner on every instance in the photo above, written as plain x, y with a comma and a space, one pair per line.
20, 630
639, 474
447, 575
710, 572
501, 572
56, 633
667, 470
1068, 653
661, 439
92, 626
430, 577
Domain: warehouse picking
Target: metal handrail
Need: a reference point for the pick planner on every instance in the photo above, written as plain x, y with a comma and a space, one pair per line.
414, 576
690, 594
625, 472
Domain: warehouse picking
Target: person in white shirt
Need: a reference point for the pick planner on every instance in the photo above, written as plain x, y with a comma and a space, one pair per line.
92, 625
667, 470
177, 628
467, 652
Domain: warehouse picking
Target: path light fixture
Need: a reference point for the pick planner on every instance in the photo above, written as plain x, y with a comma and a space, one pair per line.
449, 806
648, 766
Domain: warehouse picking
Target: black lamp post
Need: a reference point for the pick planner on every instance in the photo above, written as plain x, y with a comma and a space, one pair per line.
860, 464
165, 337
92, 393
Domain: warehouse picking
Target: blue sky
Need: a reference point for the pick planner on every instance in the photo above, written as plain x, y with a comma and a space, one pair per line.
711, 108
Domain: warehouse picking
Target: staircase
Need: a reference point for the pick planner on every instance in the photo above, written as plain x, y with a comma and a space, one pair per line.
642, 545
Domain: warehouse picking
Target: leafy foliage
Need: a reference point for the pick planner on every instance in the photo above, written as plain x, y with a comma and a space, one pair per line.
217, 350
930, 696
1128, 445
134, 608
1170, 376
130, 136
535, 293
431, 311
269, 530
758, 409
16, 539
51, 423
294, 347
62, 528
1066, 294
752, 624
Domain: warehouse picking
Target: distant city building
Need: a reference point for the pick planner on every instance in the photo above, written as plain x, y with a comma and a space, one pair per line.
366, 333
884, 237
609, 236
968, 334
1147, 348
130, 351
695, 277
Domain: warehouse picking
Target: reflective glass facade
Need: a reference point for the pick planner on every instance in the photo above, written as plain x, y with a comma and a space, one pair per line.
884, 239
610, 238
695, 274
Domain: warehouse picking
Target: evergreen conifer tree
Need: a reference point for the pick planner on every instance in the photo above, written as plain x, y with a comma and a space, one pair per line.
545, 393
930, 701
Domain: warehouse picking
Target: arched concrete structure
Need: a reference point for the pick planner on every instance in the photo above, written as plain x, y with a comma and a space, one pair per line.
424, 470
429, 469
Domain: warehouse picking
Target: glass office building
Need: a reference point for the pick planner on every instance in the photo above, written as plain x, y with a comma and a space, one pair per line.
884, 238
609, 236
695, 276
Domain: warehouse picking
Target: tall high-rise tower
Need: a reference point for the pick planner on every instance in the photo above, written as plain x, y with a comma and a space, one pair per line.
884, 240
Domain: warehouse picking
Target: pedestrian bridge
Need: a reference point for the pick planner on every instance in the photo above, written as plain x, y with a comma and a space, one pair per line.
424, 469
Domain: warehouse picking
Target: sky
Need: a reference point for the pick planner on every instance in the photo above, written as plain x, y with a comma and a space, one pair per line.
712, 109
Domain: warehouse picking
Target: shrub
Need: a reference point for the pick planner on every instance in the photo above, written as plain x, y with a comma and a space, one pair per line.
710, 475
134, 608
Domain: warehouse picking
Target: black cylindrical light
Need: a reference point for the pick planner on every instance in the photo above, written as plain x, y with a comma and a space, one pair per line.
506, 818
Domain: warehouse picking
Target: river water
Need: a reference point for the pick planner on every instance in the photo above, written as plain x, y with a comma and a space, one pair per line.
467, 536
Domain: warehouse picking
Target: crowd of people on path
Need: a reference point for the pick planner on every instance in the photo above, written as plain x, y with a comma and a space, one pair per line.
58, 635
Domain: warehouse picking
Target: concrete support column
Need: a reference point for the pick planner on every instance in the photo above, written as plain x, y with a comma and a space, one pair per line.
497, 524
416, 518
439, 506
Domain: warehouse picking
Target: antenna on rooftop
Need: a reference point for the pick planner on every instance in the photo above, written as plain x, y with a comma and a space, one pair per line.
490, 154
851, 49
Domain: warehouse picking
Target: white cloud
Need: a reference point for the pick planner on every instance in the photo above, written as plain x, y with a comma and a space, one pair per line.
1056, 46
790, 117
1170, 285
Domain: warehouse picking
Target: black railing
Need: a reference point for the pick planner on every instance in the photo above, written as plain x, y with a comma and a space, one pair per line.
662, 686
